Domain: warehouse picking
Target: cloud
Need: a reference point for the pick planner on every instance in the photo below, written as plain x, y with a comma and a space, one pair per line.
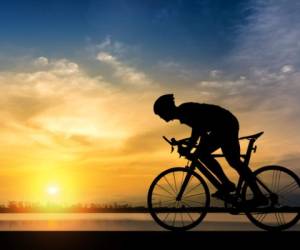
108, 45
108, 58
128, 75
287, 68
58, 66
224, 84
176, 69
60, 98
65, 67
119, 58
262, 71
270, 37
41, 61
111, 46
216, 73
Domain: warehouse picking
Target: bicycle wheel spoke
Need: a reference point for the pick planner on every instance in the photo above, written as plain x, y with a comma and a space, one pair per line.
161, 202
169, 184
163, 188
288, 200
275, 180
280, 218
175, 183
288, 188
198, 202
192, 189
273, 177
173, 223
163, 195
182, 221
192, 195
166, 217
278, 180
175, 214
167, 205
261, 217
188, 211
190, 181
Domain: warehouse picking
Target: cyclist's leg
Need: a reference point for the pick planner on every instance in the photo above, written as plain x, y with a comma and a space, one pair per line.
208, 144
231, 150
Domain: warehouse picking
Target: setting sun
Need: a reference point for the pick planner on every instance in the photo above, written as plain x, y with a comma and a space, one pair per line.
53, 190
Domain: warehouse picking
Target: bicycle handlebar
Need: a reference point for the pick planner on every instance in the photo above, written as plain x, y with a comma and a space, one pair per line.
167, 140
183, 143
174, 142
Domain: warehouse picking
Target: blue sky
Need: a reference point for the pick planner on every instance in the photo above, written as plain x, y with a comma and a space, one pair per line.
192, 32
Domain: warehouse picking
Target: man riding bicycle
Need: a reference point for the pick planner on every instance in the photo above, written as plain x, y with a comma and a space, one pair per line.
217, 128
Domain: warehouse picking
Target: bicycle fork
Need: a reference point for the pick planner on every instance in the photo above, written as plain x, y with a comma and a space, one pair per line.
204, 171
185, 182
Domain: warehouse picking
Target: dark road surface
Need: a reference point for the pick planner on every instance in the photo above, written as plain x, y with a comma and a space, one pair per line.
150, 240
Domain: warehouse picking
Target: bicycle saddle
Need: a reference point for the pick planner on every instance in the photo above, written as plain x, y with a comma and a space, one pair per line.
251, 137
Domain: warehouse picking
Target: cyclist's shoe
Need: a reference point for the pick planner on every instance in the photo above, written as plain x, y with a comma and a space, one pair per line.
257, 201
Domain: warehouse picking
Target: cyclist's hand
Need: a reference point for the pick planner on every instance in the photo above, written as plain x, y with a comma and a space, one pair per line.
173, 141
184, 151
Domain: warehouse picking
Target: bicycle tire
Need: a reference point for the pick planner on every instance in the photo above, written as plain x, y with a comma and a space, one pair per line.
291, 181
187, 220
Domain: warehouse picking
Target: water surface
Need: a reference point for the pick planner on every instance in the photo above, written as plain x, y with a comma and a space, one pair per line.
113, 222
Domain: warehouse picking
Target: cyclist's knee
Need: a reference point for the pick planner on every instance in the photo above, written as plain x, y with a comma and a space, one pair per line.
236, 163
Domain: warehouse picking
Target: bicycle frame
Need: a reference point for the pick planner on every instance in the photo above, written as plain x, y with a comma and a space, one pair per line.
213, 180
165, 198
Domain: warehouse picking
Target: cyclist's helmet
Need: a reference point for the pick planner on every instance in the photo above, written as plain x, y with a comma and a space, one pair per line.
164, 104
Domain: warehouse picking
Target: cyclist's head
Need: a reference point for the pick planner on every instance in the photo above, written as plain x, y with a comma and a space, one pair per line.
164, 106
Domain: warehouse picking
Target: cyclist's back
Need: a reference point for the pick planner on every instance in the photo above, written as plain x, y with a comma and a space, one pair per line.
206, 117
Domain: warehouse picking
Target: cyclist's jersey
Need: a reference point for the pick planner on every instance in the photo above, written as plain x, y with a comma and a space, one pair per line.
207, 117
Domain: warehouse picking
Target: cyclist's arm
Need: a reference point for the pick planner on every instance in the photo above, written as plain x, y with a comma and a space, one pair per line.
194, 138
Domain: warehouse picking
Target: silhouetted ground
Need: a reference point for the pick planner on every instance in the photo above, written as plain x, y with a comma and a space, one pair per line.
149, 240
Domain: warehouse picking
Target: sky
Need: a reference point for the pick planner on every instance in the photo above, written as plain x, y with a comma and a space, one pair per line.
78, 80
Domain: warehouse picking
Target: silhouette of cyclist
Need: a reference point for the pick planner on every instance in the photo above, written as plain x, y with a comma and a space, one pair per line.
217, 128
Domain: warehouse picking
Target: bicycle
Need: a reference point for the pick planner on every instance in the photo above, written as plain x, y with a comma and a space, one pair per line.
179, 198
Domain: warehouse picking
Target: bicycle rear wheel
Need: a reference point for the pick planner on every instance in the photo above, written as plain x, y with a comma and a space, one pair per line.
175, 214
283, 210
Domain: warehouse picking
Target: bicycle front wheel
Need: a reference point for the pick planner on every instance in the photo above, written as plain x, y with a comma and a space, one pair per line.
283, 210
172, 213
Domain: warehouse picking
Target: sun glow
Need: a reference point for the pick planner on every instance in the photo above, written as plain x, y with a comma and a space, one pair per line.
53, 190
